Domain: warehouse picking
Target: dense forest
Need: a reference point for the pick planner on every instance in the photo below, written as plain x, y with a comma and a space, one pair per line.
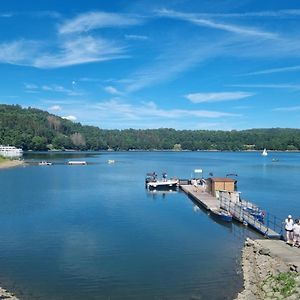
34, 129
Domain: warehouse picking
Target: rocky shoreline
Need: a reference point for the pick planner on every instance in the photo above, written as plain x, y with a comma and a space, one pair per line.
266, 276
4, 294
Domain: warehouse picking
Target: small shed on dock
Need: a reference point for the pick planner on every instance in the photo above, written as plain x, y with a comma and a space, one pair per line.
221, 184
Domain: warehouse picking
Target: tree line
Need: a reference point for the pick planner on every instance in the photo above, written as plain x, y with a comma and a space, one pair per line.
34, 129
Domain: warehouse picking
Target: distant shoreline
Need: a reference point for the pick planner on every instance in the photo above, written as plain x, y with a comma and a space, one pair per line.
11, 164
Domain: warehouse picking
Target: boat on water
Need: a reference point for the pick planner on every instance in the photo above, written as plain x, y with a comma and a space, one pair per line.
77, 163
257, 213
45, 163
111, 161
264, 153
163, 184
152, 183
221, 214
10, 151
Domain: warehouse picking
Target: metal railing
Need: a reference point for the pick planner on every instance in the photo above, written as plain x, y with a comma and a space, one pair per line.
250, 214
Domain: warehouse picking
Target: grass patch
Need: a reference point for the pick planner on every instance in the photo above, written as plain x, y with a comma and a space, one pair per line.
2, 158
284, 283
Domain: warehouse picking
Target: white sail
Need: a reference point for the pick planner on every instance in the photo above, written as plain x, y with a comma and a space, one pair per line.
264, 153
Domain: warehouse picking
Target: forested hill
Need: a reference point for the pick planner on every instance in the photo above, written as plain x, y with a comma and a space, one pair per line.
34, 129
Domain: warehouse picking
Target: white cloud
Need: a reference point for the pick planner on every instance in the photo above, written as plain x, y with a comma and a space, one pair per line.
274, 70
193, 18
19, 52
93, 20
112, 90
217, 97
269, 86
151, 110
285, 13
70, 51
71, 118
30, 86
289, 109
55, 108
80, 50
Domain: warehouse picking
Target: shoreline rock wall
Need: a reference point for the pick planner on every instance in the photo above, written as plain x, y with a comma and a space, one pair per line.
264, 275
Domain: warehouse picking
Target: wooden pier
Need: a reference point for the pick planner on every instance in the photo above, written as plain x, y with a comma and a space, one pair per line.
238, 210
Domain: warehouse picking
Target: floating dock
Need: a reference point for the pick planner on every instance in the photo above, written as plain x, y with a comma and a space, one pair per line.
77, 163
238, 210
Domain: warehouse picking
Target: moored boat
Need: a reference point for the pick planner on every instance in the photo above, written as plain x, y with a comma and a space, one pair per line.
153, 183
45, 163
221, 214
77, 163
163, 184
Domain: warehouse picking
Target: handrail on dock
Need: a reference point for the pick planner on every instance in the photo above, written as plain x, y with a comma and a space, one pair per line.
244, 211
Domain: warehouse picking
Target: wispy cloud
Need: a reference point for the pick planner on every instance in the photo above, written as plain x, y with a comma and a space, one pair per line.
55, 108
70, 118
285, 13
268, 86
112, 90
274, 70
79, 51
136, 37
30, 87
173, 61
195, 19
217, 97
287, 109
95, 20
71, 51
150, 109
6, 15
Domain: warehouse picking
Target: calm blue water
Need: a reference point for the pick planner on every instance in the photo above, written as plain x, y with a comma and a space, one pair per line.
93, 232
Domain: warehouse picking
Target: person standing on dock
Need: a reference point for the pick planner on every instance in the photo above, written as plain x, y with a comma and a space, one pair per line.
289, 224
296, 231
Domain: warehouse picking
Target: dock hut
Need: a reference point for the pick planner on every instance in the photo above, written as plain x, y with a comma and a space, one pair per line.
221, 184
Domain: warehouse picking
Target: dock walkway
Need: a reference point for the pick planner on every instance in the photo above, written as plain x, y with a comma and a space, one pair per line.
289, 255
203, 198
238, 212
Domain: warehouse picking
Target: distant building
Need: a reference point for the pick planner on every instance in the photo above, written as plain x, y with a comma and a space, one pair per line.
10, 151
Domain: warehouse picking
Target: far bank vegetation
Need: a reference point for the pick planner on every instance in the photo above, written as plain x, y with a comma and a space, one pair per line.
34, 129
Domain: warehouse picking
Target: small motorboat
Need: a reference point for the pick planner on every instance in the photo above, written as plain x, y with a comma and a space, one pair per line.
221, 214
258, 214
45, 163
111, 161
163, 184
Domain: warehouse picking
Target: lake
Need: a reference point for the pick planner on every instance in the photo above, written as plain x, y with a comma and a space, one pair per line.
94, 232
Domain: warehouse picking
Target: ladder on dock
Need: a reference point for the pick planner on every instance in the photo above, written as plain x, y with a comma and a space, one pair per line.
269, 225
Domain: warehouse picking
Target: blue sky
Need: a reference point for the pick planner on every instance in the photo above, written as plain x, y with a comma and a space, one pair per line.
152, 64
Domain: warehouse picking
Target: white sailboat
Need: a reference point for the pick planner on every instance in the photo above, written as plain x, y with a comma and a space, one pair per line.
264, 153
